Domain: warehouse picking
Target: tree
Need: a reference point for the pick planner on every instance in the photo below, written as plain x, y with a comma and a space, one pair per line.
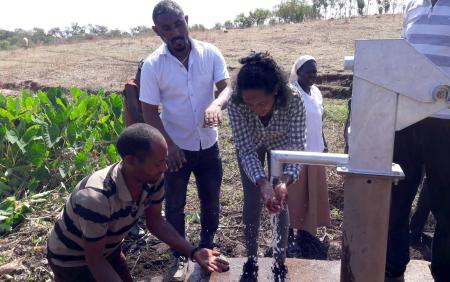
141, 29
74, 30
77, 29
228, 24
332, 4
350, 8
39, 36
341, 5
284, 11
386, 5
98, 30
259, 16
218, 26
361, 5
273, 21
369, 3
56, 32
114, 33
198, 27
20, 32
380, 6
297, 11
394, 6
242, 21
324, 4
14, 38
316, 4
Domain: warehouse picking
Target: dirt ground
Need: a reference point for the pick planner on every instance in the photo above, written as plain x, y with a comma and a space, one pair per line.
109, 63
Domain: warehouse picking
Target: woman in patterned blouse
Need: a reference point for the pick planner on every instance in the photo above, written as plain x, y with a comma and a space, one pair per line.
265, 115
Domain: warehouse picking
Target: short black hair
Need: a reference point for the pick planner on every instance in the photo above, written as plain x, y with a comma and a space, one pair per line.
166, 6
137, 140
260, 71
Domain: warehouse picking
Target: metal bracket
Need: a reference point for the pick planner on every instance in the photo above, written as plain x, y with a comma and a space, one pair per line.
441, 92
395, 174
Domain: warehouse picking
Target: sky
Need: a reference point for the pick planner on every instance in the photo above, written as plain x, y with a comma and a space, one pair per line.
46, 14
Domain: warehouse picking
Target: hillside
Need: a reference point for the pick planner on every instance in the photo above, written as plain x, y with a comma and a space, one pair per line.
108, 63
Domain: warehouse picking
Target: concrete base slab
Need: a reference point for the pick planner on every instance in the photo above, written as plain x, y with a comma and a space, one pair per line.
313, 271
299, 270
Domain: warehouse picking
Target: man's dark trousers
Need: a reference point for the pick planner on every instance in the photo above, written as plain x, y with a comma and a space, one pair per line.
426, 143
206, 165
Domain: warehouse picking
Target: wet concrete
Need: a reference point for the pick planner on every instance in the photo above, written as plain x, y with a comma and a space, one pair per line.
313, 271
299, 271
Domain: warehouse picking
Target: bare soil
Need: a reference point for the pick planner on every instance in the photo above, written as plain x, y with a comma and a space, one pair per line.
109, 63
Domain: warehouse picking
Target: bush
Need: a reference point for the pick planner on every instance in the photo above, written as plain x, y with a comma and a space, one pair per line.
198, 27
139, 30
4, 45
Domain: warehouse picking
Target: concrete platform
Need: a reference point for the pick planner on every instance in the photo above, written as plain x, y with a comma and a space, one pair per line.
302, 270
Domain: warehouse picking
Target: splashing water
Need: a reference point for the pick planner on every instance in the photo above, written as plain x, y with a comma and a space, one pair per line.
276, 236
280, 225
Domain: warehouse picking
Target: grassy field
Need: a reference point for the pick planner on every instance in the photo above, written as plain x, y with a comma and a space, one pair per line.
108, 63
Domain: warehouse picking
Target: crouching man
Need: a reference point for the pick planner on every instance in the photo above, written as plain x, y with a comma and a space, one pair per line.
85, 243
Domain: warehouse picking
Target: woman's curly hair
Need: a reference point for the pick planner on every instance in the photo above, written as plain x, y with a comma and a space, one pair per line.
260, 71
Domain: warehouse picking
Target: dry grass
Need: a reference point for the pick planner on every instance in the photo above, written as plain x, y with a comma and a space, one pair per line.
108, 63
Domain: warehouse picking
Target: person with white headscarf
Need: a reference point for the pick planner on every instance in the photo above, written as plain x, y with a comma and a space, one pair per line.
308, 198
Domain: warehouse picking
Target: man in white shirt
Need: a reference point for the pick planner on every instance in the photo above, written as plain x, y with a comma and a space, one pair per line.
180, 76
427, 28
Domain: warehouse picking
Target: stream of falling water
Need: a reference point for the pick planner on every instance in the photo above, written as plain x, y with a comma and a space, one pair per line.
279, 254
276, 236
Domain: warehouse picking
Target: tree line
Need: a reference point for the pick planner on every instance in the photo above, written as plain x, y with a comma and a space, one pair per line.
295, 11
38, 36
288, 11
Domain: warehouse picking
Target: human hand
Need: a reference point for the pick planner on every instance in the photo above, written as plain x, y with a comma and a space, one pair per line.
130, 86
210, 260
175, 158
268, 196
213, 116
281, 194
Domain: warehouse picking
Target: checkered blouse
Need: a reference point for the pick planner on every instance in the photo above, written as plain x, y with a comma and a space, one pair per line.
286, 131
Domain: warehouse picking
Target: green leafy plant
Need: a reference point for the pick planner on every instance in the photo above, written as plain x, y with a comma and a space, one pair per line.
48, 141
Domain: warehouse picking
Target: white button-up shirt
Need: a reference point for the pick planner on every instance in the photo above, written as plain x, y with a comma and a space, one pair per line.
184, 94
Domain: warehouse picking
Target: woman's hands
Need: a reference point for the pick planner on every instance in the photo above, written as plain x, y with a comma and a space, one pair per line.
273, 198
